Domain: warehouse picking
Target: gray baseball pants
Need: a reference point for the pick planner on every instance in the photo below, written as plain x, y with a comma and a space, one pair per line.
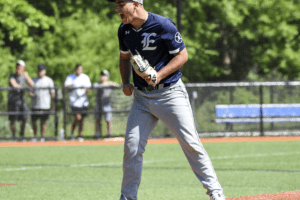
170, 105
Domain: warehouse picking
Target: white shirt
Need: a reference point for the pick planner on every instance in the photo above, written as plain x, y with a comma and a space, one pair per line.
78, 97
42, 97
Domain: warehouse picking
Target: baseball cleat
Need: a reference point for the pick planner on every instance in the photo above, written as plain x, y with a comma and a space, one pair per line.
217, 196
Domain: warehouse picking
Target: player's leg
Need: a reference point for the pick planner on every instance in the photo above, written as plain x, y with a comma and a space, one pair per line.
98, 117
34, 118
108, 119
75, 122
34, 127
12, 118
176, 113
22, 128
23, 117
43, 130
80, 126
82, 115
44, 118
97, 128
139, 126
13, 129
109, 128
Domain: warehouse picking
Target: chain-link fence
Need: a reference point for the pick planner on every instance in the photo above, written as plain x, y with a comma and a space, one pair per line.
204, 98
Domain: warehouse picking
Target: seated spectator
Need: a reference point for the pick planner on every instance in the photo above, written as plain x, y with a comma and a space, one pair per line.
16, 100
41, 101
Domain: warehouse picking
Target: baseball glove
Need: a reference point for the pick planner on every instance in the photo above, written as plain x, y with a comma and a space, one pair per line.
143, 68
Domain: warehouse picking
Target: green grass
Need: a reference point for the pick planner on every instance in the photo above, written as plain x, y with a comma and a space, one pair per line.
67, 173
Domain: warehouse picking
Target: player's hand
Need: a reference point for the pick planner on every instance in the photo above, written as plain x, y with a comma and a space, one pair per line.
25, 74
128, 89
149, 80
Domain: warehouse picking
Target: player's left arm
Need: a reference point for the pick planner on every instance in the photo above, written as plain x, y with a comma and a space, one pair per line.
175, 64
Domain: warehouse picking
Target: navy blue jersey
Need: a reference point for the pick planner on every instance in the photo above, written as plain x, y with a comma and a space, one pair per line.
156, 41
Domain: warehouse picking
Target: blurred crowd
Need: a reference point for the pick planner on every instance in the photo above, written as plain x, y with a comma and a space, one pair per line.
42, 91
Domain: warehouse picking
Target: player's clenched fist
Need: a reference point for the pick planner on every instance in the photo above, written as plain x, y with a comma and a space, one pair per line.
128, 89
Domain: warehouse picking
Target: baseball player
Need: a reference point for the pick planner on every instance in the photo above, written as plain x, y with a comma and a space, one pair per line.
154, 47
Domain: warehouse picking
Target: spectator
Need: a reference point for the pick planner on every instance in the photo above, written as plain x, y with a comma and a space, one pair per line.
103, 106
78, 98
16, 100
41, 101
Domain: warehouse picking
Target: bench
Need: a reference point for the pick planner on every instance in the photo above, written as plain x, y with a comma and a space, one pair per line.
251, 113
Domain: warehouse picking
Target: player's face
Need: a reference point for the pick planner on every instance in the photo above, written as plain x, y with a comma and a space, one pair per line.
103, 78
78, 70
125, 9
42, 73
19, 70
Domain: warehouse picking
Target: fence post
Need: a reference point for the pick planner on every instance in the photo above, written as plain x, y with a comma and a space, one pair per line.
261, 110
272, 101
231, 95
179, 11
64, 110
56, 109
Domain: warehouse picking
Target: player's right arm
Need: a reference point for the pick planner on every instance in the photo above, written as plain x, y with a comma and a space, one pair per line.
124, 63
68, 82
14, 83
125, 70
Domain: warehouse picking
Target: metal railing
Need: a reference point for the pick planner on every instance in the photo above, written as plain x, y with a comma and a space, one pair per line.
203, 97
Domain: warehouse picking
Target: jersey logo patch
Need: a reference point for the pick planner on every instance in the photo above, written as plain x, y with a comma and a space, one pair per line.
127, 32
178, 38
147, 41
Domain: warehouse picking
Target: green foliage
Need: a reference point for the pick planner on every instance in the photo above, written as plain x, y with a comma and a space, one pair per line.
81, 38
226, 39
18, 19
7, 65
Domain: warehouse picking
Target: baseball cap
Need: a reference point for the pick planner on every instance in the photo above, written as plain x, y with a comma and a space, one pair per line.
105, 72
41, 67
140, 1
21, 62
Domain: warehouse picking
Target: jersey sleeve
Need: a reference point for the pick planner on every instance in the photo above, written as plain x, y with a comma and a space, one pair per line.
51, 84
11, 76
69, 81
88, 83
122, 46
172, 37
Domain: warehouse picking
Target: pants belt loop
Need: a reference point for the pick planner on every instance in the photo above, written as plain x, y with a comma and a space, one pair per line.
160, 86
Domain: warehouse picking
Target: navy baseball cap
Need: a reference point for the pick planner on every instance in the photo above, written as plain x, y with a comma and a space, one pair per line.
140, 1
41, 67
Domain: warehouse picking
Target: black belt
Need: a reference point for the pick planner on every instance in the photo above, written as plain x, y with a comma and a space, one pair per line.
157, 87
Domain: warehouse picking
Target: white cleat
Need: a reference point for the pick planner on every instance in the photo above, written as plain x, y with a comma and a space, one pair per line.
217, 196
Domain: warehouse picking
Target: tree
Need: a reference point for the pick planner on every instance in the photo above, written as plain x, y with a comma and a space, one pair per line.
229, 39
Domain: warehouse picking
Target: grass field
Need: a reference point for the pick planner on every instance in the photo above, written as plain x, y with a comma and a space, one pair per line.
95, 172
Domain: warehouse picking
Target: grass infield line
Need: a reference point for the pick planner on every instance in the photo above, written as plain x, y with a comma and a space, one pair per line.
120, 141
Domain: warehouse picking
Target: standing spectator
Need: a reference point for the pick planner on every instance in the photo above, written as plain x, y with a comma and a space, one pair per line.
79, 83
103, 106
41, 101
16, 100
